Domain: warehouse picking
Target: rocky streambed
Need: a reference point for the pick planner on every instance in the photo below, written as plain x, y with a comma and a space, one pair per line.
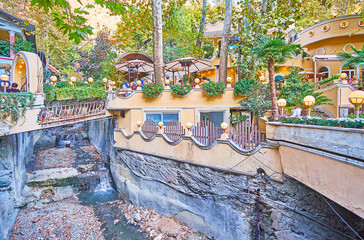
69, 194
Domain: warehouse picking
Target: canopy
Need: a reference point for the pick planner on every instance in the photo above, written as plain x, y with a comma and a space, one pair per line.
191, 64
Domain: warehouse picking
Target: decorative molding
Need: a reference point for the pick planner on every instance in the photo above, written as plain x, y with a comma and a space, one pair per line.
348, 44
325, 28
344, 24
234, 146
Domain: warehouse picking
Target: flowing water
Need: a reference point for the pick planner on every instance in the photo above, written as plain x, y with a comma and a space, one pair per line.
94, 184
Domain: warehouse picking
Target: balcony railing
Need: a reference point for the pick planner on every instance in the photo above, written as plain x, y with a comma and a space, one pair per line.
71, 112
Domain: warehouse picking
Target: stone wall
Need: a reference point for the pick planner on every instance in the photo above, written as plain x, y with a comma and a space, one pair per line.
16, 150
226, 206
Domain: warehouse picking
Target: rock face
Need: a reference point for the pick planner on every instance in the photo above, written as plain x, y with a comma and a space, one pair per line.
228, 206
16, 152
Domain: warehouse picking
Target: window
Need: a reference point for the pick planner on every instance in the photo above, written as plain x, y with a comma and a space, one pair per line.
216, 117
350, 71
162, 117
323, 72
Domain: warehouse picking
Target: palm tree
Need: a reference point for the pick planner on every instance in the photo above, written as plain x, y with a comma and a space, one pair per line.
274, 49
319, 100
356, 60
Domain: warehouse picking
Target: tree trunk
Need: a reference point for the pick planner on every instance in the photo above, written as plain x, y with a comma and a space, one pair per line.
225, 42
157, 40
272, 89
240, 70
202, 24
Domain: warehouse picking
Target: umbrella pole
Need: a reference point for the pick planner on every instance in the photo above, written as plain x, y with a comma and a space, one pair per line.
137, 73
173, 76
188, 77
129, 73
185, 70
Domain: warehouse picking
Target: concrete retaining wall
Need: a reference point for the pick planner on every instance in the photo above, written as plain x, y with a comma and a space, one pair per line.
345, 141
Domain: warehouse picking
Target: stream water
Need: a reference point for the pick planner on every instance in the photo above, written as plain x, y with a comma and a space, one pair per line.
102, 198
94, 185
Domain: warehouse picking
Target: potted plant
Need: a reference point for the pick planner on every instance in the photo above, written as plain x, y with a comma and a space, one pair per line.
181, 90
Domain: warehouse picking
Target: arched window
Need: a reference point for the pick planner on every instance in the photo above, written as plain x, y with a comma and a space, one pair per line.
324, 72
350, 71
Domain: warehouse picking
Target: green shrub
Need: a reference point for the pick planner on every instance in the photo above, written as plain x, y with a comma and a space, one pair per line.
5, 48
244, 86
181, 90
80, 84
63, 84
20, 45
214, 89
77, 93
326, 80
345, 123
152, 90
15, 104
98, 84
351, 115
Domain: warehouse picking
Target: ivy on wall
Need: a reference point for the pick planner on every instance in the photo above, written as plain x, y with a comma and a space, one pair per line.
14, 105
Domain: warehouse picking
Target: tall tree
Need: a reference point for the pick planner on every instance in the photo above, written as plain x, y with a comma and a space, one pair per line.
225, 42
274, 49
202, 24
157, 40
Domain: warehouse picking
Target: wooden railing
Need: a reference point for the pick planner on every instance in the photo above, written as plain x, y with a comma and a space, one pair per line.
149, 128
246, 135
71, 112
206, 133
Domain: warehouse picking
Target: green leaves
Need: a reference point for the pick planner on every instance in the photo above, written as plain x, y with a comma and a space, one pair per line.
14, 105
78, 93
257, 101
181, 90
213, 89
345, 123
152, 90
244, 86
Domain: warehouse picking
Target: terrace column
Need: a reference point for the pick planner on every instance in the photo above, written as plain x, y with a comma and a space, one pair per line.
11, 40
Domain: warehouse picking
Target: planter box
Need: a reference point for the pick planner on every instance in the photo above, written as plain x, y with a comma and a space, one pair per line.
344, 141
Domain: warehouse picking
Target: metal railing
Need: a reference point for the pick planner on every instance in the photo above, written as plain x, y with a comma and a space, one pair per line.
205, 132
149, 128
71, 112
246, 135
174, 130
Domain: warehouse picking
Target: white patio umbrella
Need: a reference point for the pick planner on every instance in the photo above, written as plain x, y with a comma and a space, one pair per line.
189, 64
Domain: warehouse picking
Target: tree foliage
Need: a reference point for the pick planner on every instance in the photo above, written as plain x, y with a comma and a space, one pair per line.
295, 85
257, 101
97, 61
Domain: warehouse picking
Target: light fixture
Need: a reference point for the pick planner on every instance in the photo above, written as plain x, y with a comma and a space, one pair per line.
229, 80
160, 125
224, 126
281, 104
357, 99
309, 102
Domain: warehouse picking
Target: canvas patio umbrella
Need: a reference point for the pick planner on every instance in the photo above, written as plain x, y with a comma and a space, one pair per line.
189, 64
137, 66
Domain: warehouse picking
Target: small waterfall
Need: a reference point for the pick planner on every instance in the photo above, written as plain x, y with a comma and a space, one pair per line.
105, 182
71, 140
